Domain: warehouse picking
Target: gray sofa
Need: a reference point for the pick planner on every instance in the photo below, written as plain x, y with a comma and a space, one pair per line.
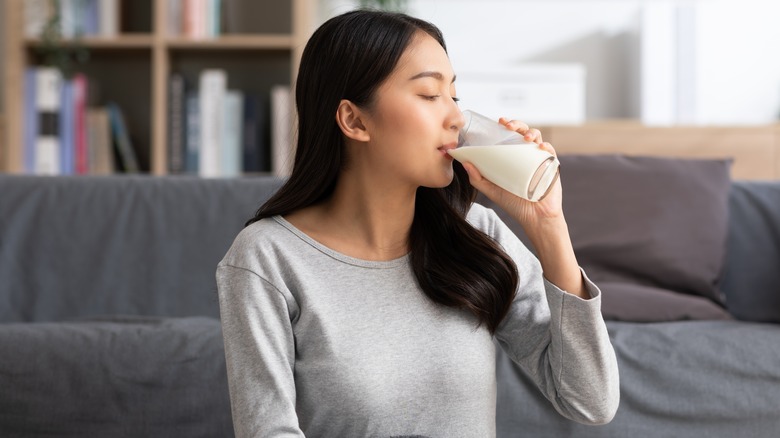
109, 316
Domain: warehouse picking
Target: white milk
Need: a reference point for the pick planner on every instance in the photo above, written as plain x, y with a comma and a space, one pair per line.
522, 169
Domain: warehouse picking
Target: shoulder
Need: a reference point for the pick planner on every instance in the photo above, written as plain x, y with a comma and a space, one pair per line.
490, 222
255, 241
483, 219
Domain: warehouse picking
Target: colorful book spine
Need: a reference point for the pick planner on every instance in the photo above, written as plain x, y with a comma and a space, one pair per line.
255, 144
66, 129
192, 138
281, 130
176, 123
99, 138
231, 153
109, 18
121, 140
36, 14
213, 86
47, 145
80, 124
30, 119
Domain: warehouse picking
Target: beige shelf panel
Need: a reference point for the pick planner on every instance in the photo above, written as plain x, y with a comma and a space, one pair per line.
128, 41
233, 42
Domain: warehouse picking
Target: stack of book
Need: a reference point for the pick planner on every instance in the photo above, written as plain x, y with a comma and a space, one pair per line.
76, 17
194, 18
214, 131
62, 136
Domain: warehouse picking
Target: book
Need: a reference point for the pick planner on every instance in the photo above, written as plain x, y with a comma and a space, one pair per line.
174, 25
48, 100
109, 15
192, 137
36, 14
213, 18
121, 139
176, 123
66, 130
194, 18
30, 118
79, 107
281, 130
231, 153
256, 149
68, 18
101, 156
91, 17
213, 86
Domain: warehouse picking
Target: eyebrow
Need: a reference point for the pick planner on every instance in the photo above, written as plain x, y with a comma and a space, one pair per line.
431, 74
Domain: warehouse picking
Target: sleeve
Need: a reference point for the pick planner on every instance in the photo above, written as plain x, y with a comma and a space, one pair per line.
259, 353
560, 340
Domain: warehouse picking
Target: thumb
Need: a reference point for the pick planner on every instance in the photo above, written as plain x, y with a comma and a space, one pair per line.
480, 183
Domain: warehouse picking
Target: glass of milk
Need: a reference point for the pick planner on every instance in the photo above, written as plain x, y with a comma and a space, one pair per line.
505, 158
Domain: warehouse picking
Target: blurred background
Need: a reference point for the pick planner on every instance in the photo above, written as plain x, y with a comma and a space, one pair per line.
661, 61
570, 63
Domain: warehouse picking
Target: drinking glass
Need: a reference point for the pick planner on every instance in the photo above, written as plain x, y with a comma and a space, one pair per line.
505, 158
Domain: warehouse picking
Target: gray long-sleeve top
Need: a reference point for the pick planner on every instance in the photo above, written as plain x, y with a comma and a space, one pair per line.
323, 344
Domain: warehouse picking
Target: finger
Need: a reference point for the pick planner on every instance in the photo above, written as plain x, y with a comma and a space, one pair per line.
548, 147
533, 135
514, 125
480, 183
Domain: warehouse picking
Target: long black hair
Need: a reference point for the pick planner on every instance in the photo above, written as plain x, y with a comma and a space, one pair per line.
349, 57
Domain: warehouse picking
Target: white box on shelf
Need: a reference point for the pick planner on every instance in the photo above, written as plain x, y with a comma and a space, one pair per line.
534, 93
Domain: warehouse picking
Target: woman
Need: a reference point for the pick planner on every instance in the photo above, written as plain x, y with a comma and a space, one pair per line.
364, 296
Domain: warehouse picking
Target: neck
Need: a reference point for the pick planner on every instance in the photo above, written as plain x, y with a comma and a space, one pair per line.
363, 218
375, 218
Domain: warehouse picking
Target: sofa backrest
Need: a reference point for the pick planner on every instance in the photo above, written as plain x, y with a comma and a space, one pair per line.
751, 278
76, 247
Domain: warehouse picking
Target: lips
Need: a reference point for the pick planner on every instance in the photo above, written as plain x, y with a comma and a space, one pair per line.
446, 147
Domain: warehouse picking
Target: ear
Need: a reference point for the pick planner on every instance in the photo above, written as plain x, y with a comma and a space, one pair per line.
348, 117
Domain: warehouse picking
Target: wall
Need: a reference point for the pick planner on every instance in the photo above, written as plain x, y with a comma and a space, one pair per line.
728, 73
738, 61
735, 69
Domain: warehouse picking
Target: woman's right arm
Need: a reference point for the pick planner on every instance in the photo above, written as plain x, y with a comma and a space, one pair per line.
260, 354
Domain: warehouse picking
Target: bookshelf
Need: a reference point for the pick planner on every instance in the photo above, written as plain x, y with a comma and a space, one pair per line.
260, 46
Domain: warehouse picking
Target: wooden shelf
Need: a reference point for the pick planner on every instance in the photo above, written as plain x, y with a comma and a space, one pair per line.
233, 42
128, 41
133, 69
144, 41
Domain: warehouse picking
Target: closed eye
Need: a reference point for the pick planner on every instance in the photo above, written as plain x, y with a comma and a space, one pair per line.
434, 97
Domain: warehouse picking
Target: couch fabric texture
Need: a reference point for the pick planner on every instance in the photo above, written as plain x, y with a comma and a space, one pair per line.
109, 317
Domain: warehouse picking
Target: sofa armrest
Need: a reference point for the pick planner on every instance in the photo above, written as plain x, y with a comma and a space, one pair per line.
114, 377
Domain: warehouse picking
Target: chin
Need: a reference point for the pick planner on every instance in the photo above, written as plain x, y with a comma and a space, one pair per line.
441, 182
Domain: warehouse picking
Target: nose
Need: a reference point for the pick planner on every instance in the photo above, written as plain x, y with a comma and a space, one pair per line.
456, 119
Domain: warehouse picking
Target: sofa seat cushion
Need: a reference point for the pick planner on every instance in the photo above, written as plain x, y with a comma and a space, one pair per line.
114, 377
683, 379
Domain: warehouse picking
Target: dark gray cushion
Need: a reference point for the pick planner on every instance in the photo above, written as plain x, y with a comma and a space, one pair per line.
650, 224
115, 378
637, 303
80, 246
751, 280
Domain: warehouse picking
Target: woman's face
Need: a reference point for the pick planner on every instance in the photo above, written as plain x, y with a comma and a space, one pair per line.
414, 118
